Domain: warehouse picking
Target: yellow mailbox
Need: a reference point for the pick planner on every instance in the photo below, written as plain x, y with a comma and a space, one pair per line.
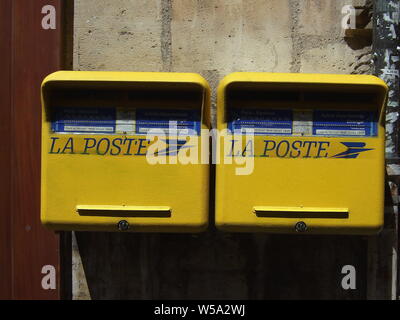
313, 146
119, 151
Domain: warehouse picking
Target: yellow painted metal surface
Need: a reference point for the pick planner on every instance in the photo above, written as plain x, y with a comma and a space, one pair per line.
318, 162
96, 172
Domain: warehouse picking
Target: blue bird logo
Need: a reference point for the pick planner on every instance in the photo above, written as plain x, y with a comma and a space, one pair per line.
353, 150
173, 147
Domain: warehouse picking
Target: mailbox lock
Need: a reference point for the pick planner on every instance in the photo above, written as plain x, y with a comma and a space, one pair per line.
123, 225
300, 226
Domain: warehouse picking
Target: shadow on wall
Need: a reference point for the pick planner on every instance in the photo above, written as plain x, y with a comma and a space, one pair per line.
218, 265
361, 37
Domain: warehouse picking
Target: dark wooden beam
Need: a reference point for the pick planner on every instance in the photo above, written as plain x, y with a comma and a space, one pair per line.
29, 54
5, 150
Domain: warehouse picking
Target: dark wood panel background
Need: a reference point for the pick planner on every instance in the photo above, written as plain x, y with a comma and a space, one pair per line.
28, 54
5, 149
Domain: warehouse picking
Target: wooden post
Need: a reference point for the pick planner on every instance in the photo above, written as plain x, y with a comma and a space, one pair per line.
29, 254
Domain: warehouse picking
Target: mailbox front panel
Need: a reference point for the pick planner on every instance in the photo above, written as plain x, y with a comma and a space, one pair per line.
96, 172
317, 152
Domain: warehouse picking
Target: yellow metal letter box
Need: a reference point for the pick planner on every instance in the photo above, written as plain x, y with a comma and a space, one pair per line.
313, 145
120, 151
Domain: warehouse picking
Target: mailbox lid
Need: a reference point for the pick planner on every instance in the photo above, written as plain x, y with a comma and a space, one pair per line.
284, 83
297, 79
117, 76
128, 80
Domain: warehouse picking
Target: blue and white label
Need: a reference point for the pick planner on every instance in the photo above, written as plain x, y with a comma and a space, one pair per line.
303, 122
123, 120
344, 123
84, 120
178, 121
262, 121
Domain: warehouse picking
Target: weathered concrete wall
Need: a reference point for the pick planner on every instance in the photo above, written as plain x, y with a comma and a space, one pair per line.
215, 38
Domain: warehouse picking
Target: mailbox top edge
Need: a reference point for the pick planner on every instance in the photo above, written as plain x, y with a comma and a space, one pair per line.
126, 76
302, 78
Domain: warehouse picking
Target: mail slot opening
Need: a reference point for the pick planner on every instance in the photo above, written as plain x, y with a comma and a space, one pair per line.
250, 93
124, 211
310, 213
